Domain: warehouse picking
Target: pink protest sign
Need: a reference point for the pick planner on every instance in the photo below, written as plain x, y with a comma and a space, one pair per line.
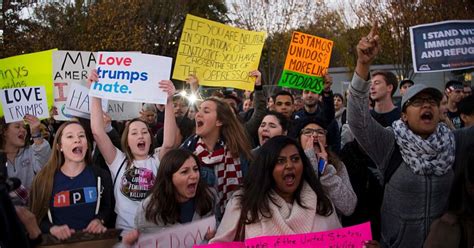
223, 245
353, 236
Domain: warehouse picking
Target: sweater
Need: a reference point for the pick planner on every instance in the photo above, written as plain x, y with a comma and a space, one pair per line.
289, 218
411, 202
337, 185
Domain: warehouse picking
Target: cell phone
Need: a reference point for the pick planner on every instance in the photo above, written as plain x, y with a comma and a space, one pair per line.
321, 166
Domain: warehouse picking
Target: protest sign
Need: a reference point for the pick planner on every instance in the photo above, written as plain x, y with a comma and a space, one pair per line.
121, 111
306, 62
78, 104
442, 46
28, 70
17, 102
353, 236
70, 67
219, 55
131, 77
78, 101
186, 235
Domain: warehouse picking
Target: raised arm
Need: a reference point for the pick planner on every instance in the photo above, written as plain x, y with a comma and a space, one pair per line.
170, 127
374, 139
105, 145
260, 107
41, 148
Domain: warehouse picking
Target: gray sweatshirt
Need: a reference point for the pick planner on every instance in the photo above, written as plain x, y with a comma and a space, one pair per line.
411, 202
28, 162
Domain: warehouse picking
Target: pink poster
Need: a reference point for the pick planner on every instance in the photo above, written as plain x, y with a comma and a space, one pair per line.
353, 236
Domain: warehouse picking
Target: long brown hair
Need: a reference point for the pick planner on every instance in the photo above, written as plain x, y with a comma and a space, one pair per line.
42, 186
163, 205
232, 130
124, 142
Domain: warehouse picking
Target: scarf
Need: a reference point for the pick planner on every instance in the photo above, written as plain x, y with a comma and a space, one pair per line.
229, 174
431, 156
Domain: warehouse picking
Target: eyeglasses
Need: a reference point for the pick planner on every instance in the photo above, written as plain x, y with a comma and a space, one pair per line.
418, 102
310, 131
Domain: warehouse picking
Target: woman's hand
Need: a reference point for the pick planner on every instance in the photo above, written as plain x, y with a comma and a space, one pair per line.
193, 82
168, 87
210, 234
61, 232
93, 77
258, 77
33, 122
131, 237
95, 226
322, 154
309, 143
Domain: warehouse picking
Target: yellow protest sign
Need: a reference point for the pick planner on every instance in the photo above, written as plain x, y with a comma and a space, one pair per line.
34, 69
219, 55
306, 62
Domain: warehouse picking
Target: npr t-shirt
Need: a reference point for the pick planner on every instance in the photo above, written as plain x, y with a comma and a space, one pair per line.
74, 199
132, 186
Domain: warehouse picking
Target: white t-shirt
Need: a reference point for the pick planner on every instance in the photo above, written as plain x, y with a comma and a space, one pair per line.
132, 186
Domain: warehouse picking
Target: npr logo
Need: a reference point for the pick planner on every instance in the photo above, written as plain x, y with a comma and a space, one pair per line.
75, 197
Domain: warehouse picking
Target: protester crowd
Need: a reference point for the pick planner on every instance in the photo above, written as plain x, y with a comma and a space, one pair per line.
262, 165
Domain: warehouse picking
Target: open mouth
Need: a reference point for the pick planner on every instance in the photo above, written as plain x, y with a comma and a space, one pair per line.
289, 179
21, 136
265, 138
192, 187
427, 116
77, 150
199, 123
141, 145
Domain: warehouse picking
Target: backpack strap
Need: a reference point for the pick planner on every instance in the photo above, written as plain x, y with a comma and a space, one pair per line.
393, 164
120, 168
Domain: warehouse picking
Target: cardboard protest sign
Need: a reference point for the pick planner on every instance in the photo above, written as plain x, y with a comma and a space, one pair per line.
442, 46
186, 235
28, 70
70, 67
131, 77
78, 101
306, 62
17, 102
219, 55
353, 236
120, 111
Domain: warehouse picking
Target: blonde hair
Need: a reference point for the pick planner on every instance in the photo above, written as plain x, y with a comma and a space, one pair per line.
42, 186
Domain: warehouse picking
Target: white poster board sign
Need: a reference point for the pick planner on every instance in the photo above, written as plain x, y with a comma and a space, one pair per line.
17, 102
70, 67
131, 77
180, 236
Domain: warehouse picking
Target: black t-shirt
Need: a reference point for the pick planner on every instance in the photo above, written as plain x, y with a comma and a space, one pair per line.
74, 199
386, 119
187, 210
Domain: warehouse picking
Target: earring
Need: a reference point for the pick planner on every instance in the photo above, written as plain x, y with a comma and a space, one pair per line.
61, 149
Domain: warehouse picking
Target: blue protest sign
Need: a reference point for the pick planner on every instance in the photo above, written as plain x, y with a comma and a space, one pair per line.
442, 46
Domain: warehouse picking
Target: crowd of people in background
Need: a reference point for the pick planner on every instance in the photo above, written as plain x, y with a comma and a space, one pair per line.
287, 163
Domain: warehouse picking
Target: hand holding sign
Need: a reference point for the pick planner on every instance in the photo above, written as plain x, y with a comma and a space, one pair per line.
258, 77
33, 122
327, 82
